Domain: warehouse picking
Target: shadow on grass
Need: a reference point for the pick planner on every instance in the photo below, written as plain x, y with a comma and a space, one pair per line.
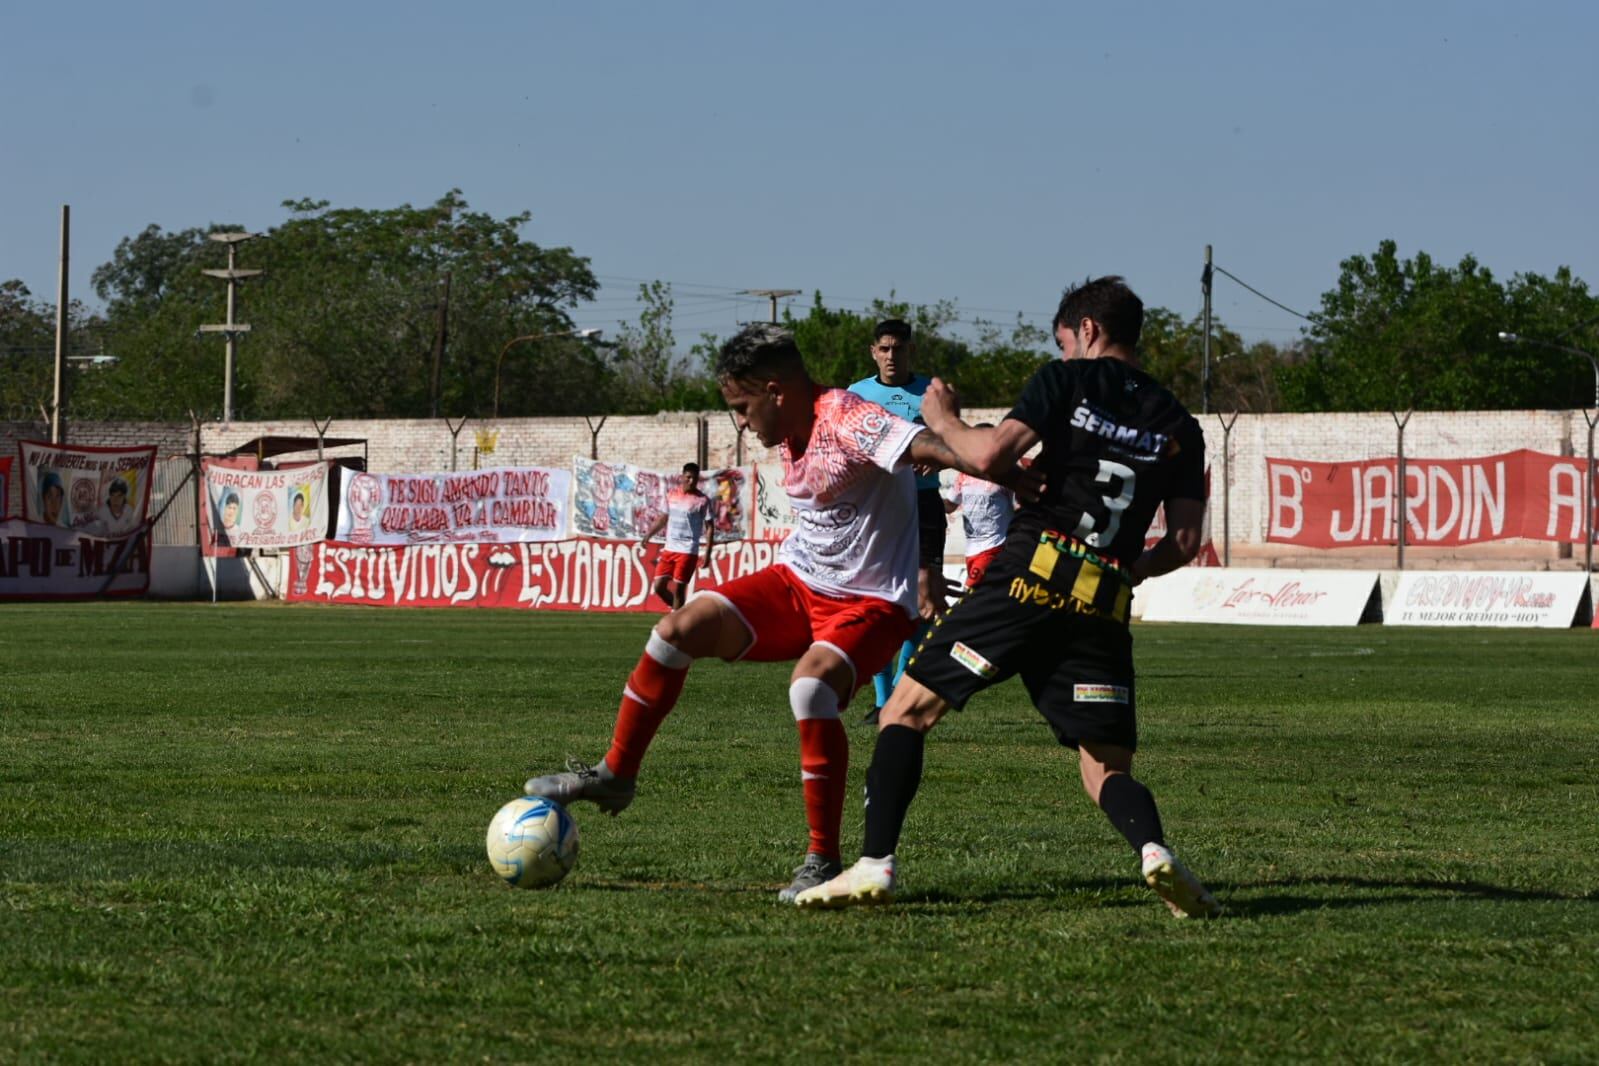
1398, 890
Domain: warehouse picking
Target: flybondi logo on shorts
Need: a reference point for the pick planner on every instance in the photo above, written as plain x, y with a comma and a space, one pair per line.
973, 661
1099, 693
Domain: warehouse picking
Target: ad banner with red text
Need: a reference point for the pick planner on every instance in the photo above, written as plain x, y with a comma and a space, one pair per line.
1522, 494
585, 574
1258, 597
1530, 599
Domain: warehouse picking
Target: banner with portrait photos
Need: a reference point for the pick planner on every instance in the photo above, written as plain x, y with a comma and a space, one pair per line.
620, 501
104, 492
266, 508
508, 504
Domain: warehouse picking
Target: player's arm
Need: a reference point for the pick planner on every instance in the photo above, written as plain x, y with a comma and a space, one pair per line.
655, 528
989, 453
710, 534
1185, 521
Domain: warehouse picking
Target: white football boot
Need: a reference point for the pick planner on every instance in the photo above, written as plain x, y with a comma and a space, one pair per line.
869, 881
1177, 887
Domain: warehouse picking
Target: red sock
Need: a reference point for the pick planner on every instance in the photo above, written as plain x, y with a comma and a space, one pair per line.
651, 693
824, 768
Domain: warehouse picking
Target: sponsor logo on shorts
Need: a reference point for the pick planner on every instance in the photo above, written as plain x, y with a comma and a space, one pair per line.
973, 661
1099, 693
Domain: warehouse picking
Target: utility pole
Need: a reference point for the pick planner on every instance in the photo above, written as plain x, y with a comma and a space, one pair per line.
439, 337
58, 394
230, 329
1204, 376
773, 295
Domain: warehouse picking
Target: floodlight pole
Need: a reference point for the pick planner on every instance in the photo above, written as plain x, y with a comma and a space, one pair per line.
58, 396
1204, 372
230, 329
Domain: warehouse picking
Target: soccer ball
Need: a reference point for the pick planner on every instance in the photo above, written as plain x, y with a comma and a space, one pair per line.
532, 842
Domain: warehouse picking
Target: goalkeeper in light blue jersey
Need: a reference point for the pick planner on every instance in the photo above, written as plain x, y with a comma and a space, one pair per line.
898, 389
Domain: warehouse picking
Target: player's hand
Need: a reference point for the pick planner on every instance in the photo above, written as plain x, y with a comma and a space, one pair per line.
932, 593
1025, 482
939, 403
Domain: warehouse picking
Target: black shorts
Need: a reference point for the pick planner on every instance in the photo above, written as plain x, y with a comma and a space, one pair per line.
931, 525
1077, 665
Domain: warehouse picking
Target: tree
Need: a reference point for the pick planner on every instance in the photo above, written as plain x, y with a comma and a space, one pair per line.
345, 319
1398, 334
27, 353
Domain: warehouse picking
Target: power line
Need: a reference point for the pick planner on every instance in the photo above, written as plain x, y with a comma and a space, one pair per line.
1262, 295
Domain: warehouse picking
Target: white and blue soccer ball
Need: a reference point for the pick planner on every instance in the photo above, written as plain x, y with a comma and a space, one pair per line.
532, 842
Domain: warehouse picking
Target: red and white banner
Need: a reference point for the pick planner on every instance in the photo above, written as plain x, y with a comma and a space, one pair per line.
620, 501
1540, 600
47, 562
478, 506
574, 575
100, 491
1447, 501
1258, 597
5, 487
267, 508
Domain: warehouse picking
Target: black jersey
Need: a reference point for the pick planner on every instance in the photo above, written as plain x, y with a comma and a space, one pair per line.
1116, 445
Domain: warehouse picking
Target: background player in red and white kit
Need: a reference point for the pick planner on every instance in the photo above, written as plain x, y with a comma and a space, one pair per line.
1053, 607
838, 601
986, 510
686, 520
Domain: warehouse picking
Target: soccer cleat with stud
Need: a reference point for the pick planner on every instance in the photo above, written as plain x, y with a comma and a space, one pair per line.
593, 784
869, 881
1177, 887
808, 874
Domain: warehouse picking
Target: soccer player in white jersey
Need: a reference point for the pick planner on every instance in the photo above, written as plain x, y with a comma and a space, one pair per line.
838, 601
986, 510
687, 509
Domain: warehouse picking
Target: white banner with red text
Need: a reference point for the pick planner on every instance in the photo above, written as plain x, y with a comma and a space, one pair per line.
1258, 597
267, 508
585, 574
39, 561
1538, 599
478, 506
100, 491
1523, 494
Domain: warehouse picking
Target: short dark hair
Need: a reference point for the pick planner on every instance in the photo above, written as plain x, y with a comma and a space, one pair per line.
1110, 303
760, 351
691, 468
117, 485
897, 328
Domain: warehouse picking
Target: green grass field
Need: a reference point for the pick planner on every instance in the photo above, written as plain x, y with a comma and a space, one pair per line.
241, 832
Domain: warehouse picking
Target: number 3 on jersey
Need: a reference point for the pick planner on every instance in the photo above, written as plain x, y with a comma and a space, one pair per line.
1109, 472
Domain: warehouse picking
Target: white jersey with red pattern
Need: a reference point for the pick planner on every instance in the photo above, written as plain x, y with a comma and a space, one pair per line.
685, 520
854, 500
986, 510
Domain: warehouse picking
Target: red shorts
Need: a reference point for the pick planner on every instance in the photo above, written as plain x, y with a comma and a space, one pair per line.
679, 566
977, 565
787, 617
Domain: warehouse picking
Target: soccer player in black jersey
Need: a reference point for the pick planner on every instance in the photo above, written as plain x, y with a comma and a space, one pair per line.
1053, 607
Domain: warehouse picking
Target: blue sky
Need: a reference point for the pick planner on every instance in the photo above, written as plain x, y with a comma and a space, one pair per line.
986, 154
